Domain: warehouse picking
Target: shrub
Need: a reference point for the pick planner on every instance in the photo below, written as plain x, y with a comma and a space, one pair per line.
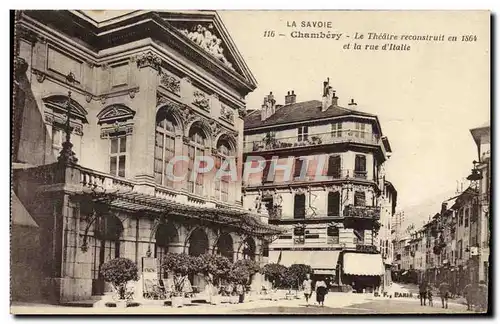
274, 273
217, 266
118, 272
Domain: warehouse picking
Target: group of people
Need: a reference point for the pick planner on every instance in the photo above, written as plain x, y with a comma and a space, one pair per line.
475, 294
320, 288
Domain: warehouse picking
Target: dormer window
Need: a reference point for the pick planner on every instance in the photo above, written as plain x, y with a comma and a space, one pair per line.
303, 133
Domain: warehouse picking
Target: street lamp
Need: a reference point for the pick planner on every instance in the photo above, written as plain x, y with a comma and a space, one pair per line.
67, 155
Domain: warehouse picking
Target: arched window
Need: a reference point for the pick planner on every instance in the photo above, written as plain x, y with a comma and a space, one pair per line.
249, 249
196, 147
224, 246
164, 146
222, 183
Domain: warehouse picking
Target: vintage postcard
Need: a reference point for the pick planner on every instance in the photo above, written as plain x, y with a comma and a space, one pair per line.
250, 162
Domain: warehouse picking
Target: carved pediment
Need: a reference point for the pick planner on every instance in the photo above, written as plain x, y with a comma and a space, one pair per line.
113, 113
59, 104
208, 38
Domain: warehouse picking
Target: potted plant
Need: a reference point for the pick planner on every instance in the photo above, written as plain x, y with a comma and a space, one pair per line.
181, 265
215, 268
119, 272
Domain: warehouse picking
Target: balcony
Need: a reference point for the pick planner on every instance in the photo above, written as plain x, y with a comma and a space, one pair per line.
331, 176
346, 136
363, 212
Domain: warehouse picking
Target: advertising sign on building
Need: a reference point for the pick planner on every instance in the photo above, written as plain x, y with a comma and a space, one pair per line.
149, 268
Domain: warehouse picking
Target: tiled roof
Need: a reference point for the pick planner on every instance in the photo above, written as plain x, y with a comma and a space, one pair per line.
298, 112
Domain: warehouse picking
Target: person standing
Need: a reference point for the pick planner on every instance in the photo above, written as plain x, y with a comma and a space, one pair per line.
307, 286
444, 292
321, 292
422, 289
469, 296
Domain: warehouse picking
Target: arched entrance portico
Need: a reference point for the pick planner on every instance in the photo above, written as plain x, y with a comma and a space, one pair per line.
197, 245
224, 246
166, 236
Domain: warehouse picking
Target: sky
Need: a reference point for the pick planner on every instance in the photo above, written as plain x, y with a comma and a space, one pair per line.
427, 99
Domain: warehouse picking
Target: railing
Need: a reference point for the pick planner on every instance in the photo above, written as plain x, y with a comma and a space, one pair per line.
367, 212
328, 176
334, 137
95, 179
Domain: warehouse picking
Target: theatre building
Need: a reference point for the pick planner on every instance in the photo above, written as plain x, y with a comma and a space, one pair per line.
101, 106
323, 182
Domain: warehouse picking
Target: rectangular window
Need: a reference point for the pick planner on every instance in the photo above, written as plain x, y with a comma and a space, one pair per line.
298, 167
222, 184
466, 218
336, 130
334, 203
359, 198
57, 139
266, 176
360, 130
299, 206
334, 165
461, 217
360, 166
303, 133
332, 234
117, 157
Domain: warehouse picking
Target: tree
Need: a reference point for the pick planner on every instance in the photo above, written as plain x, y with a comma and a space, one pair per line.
215, 265
296, 274
275, 273
181, 264
118, 272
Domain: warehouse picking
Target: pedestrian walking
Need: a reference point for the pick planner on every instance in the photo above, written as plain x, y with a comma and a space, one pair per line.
422, 289
482, 296
444, 291
429, 296
469, 296
307, 286
320, 292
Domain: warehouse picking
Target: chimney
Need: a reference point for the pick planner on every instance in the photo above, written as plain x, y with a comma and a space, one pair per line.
352, 104
268, 107
329, 97
290, 98
444, 206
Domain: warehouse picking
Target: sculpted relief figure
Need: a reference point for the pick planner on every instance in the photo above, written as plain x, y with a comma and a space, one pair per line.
204, 38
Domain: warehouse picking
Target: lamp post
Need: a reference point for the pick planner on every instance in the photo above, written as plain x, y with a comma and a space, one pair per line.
67, 156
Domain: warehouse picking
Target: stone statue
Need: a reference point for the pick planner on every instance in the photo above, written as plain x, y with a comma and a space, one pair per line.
258, 203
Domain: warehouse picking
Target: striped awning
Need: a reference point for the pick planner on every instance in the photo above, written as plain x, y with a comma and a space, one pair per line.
318, 260
363, 264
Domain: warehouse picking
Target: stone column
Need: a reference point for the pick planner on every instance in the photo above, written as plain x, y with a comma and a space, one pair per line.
143, 140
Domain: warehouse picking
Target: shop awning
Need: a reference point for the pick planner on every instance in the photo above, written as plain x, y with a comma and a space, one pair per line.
318, 260
363, 264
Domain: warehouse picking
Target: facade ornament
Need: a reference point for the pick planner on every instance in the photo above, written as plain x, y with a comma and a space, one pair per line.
171, 83
103, 99
117, 127
149, 59
133, 58
200, 99
104, 66
88, 97
215, 151
26, 34
20, 66
40, 76
186, 114
90, 64
227, 113
215, 128
242, 112
208, 41
41, 39
186, 139
132, 93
